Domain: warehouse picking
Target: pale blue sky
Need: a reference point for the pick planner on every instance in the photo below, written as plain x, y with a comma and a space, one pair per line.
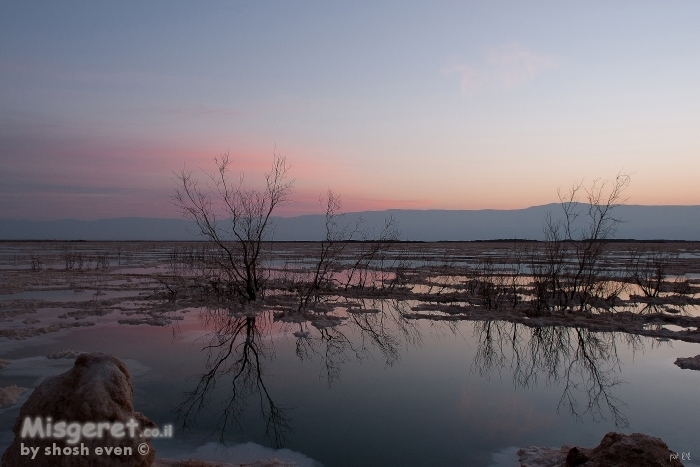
407, 105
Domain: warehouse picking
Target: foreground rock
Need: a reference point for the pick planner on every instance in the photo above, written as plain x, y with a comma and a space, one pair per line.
690, 363
615, 449
97, 389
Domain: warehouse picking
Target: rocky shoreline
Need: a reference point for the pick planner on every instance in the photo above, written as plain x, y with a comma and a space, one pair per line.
615, 449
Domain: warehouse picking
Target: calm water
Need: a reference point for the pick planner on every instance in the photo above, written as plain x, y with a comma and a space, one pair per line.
344, 389
377, 390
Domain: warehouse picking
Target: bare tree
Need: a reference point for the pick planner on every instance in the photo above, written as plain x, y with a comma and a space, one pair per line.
236, 219
571, 272
331, 248
648, 270
368, 268
347, 249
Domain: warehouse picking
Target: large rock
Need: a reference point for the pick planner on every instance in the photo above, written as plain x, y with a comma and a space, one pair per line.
97, 389
615, 449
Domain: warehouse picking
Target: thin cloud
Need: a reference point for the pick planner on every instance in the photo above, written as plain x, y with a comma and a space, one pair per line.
508, 67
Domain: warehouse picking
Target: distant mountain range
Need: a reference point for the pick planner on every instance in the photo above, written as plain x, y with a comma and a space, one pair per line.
639, 222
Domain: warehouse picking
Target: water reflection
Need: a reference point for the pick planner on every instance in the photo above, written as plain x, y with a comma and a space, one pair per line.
367, 326
584, 364
238, 347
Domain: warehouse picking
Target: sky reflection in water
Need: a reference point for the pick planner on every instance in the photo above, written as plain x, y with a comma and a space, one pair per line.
381, 390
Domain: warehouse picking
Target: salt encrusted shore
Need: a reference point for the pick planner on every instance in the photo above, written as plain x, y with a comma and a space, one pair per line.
97, 387
615, 449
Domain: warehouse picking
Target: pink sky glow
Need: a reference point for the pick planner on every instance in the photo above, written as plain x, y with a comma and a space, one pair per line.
456, 106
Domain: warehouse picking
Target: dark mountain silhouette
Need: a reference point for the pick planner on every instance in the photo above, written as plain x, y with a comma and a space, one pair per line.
639, 222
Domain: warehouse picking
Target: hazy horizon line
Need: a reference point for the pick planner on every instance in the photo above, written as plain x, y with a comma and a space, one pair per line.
15, 219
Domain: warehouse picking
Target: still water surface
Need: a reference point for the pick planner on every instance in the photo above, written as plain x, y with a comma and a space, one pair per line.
380, 390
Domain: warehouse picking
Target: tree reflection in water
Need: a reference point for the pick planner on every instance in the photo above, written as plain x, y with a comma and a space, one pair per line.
239, 345
584, 363
378, 325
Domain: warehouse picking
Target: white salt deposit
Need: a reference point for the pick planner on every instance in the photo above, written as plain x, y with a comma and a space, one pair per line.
507, 457
10, 395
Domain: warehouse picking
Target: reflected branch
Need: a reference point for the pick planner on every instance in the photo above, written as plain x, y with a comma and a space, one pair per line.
584, 363
236, 347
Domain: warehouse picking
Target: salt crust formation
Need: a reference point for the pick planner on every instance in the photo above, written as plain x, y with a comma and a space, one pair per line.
615, 449
64, 354
690, 363
26, 333
10, 395
97, 389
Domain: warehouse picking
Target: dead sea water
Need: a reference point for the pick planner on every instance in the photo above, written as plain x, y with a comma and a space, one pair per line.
350, 388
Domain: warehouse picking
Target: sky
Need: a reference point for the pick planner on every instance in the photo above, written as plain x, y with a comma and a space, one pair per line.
408, 105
